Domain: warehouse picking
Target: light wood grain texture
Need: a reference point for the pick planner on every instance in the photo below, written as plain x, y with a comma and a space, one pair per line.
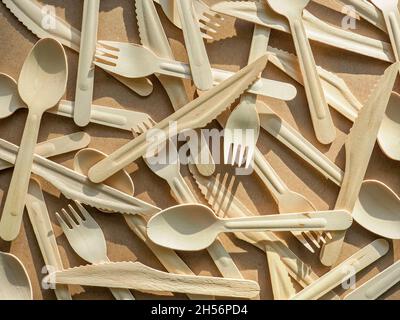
14, 280
30, 13
41, 85
78, 187
377, 285
391, 14
344, 271
198, 58
183, 194
321, 118
122, 181
136, 276
85, 76
359, 146
152, 36
87, 239
124, 55
10, 102
57, 146
316, 29
338, 94
191, 227
43, 229
196, 114
225, 204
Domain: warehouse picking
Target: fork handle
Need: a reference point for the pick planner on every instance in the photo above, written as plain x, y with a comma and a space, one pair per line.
392, 19
322, 121
11, 219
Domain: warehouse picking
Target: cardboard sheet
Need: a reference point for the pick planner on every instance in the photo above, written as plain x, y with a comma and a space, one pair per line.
118, 22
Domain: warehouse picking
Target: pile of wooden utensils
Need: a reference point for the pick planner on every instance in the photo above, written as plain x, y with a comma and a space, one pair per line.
99, 180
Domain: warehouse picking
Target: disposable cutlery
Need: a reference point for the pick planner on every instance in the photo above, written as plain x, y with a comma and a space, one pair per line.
194, 115
377, 285
320, 115
340, 274
209, 20
359, 146
14, 280
117, 57
30, 14
85, 77
43, 229
243, 125
136, 276
153, 37
87, 239
41, 85
226, 204
316, 29
123, 182
192, 227
57, 146
77, 187
170, 172
106, 116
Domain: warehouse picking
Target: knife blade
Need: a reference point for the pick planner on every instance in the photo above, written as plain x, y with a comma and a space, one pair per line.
196, 114
77, 187
316, 29
31, 14
359, 146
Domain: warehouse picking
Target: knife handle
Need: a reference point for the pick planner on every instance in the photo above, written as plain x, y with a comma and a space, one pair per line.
85, 80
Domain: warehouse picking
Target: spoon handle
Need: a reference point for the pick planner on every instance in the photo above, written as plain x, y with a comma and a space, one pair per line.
378, 285
11, 219
319, 220
320, 114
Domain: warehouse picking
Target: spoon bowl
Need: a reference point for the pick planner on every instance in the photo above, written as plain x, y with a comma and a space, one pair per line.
389, 132
173, 228
86, 158
378, 209
9, 96
43, 78
281, 7
14, 281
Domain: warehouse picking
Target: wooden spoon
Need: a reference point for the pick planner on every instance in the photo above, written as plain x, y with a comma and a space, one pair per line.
14, 281
322, 121
41, 85
378, 209
192, 227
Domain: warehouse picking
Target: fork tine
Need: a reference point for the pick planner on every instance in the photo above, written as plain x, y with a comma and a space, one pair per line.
241, 155
84, 212
249, 157
110, 45
206, 36
304, 242
235, 148
75, 214
106, 51
207, 28
106, 59
312, 239
68, 218
62, 223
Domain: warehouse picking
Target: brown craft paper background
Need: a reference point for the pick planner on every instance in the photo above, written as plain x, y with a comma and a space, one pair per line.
118, 22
